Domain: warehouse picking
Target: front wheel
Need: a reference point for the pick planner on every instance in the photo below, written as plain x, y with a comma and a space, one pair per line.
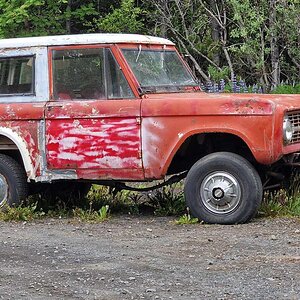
223, 188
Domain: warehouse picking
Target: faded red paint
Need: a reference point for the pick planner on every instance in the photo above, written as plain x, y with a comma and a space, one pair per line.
137, 139
168, 120
22, 111
95, 137
110, 143
23, 119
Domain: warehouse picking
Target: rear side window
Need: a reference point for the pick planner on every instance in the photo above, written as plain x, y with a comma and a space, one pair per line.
88, 74
17, 75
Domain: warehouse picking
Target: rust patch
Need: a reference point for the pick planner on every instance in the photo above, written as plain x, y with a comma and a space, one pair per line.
247, 107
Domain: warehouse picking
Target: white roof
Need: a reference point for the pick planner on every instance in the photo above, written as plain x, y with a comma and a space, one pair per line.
76, 39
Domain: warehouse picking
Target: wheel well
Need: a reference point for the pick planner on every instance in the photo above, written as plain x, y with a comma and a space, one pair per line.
8, 147
199, 145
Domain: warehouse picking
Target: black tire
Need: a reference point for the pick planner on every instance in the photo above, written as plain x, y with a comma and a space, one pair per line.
13, 182
223, 188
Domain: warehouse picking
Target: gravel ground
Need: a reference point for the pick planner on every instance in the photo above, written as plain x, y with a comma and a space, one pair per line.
149, 258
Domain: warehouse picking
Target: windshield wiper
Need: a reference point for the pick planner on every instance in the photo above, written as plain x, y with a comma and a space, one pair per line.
148, 89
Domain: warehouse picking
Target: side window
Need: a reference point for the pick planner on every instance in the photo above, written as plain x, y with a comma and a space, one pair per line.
17, 76
88, 74
117, 85
78, 73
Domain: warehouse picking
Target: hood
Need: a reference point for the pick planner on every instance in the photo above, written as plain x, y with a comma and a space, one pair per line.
224, 103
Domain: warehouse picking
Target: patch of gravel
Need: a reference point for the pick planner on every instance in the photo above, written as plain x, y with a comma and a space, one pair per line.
149, 258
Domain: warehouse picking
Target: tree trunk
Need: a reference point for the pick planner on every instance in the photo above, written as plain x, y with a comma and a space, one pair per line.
215, 33
163, 27
68, 19
275, 72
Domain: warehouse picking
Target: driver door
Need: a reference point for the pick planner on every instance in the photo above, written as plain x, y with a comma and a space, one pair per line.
93, 119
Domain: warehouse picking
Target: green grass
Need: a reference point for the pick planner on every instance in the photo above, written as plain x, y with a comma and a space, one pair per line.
186, 219
91, 215
167, 201
21, 213
281, 203
100, 204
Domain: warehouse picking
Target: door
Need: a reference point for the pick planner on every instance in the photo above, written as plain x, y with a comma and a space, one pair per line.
93, 121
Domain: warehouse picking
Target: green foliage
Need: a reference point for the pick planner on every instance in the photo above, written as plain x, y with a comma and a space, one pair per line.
21, 213
273, 204
121, 202
14, 15
223, 37
40, 17
284, 202
217, 74
287, 89
167, 201
91, 215
186, 219
125, 19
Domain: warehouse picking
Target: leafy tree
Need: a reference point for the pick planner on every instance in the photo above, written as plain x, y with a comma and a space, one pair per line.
126, 19
44, 17
257, 40
14, 16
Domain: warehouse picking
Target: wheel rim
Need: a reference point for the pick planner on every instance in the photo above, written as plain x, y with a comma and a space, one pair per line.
3, 190
220, 192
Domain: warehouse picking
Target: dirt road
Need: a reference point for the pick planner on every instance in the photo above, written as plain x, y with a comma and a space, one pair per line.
150, 258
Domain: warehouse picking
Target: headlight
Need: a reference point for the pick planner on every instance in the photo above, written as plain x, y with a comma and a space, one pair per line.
287, 130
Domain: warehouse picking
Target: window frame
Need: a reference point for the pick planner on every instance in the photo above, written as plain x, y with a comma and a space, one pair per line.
115, 54
33, 75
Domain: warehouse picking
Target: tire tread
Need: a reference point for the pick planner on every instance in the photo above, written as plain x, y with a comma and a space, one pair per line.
19, 177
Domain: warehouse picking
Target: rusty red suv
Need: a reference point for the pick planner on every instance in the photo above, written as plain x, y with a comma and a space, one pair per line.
114, 108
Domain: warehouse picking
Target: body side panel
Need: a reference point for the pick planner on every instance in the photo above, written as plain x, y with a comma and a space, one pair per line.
167, 123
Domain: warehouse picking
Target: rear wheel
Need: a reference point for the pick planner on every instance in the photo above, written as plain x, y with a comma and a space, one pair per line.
13, 182
223, 188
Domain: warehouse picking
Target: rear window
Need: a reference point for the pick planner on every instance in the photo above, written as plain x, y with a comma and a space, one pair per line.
17, 75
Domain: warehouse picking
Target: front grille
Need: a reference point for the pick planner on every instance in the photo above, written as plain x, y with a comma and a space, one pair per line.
294, 117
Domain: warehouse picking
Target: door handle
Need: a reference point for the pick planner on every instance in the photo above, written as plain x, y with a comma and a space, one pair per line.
49, 107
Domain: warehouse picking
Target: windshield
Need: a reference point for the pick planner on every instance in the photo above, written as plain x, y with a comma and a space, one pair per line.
159, 70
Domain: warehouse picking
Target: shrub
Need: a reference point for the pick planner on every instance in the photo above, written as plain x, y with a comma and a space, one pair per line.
287, 89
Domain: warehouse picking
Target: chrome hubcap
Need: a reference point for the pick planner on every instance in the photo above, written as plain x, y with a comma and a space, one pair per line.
220, 192
3, 190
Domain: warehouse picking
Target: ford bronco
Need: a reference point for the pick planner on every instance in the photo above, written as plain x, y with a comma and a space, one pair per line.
116, 108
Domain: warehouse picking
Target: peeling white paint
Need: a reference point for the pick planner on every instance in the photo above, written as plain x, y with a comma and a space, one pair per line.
150, 140
79, 39
92, 153
95, 111
70, 156
87, 131
116, 162
67, 143
22, 146
10, 112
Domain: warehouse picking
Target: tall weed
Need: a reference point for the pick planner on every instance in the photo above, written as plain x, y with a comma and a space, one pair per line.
284, 202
